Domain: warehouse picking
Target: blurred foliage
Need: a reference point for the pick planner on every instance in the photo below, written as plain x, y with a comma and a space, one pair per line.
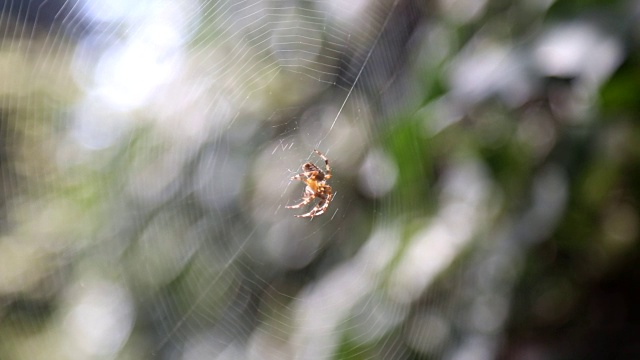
486, 173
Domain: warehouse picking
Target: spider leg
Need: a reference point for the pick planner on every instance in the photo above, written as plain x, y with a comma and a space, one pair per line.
318, 209
314, 212
323, 205
301, 204
307, 197
300, 176
327, 175
310, 214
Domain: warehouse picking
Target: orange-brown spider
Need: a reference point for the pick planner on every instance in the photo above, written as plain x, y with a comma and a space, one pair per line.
316, 181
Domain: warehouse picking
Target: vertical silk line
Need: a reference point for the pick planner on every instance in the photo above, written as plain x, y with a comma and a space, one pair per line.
364, 65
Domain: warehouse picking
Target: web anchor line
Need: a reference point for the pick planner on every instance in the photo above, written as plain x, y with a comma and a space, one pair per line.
364, 65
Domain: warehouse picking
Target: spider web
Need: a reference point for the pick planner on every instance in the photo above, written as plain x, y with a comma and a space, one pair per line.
168, 131
145, 164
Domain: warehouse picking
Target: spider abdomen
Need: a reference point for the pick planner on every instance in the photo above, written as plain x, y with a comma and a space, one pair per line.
316, 187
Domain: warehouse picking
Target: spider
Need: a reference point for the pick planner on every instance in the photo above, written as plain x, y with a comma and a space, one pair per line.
316, 181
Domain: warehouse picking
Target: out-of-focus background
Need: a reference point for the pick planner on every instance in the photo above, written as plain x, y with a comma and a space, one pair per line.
486, 171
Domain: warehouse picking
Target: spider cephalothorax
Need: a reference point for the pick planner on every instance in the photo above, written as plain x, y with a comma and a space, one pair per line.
316, 181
